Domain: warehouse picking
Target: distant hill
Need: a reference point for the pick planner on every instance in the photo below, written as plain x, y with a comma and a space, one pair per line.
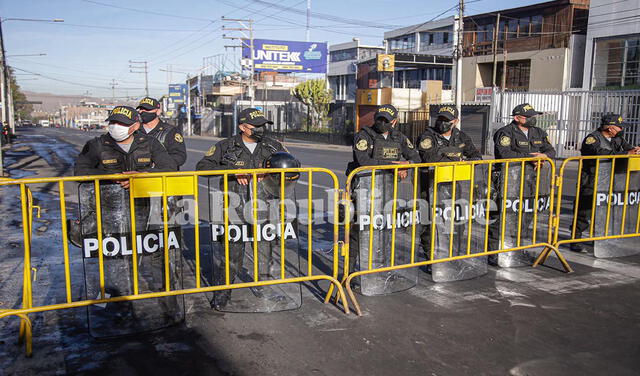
52, 102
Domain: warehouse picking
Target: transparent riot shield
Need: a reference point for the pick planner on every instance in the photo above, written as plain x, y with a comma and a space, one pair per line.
613, 206
458, 227
122, 318
263, 249
523, 205
373, 232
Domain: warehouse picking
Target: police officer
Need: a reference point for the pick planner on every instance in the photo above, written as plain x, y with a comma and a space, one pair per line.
382, 144
247, 150
445, 142
168, 135
606, 140
521, 138
123, 150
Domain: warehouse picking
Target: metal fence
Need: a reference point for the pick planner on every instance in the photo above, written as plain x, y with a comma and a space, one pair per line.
569, 116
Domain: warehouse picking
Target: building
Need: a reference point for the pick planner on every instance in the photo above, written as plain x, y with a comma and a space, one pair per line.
423, 53
342, 68
543, 46
612, 53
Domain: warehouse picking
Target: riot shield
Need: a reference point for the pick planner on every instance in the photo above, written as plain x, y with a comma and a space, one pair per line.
372, 232
122, 318
458, 226
613, 207
515, 219
259, 250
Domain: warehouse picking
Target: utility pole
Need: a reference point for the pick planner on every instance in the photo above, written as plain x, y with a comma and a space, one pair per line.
142, 67
458, 56
504, 59
113, 90
6, 83
308, 19
246, 26
496, 30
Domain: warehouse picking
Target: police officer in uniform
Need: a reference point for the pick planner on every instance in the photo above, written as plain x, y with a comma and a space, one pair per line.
168, 135
375, 145
382, 144
444, 142
606, 140
247, 150
123, 150
519, 139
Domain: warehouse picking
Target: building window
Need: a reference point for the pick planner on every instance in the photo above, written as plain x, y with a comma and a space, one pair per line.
616, 63
518, 73
342, 55
536, 24
404, 43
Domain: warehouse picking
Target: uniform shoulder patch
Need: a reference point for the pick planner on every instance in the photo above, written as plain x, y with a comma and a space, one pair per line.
590, 140
210, 151
505, 141
426, 143
362, 145
178, 138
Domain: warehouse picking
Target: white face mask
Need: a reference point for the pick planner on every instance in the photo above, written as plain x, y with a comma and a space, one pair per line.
118, 132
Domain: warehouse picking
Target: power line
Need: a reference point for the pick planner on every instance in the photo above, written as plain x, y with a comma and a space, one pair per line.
145, 11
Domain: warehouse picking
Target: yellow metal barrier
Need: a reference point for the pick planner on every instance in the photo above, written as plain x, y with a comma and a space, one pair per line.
449, 172
592, 167
164, 185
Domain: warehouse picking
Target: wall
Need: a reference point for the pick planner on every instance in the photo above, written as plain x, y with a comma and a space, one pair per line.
549, 70
607, 19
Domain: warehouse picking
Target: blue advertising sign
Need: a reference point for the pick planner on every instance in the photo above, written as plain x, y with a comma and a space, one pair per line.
177, 98
287, 56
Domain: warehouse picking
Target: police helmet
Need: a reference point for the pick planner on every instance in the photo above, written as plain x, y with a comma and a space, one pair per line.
280, 159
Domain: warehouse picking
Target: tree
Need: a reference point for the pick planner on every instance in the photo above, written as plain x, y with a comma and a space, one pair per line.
316, 96
21, 109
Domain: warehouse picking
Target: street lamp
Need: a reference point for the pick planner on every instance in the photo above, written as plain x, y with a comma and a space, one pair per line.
5, 89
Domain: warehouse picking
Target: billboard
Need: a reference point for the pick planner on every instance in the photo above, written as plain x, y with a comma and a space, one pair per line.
287, 56
177, 97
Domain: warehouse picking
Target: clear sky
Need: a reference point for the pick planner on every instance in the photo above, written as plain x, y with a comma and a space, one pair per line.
99, 37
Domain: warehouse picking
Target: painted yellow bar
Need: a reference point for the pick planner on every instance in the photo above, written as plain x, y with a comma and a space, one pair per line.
626, 199
134, 243
394, 211
536, 197
593, 201
26, 233
414, 214
96, 185
487, 212
520, 204
282, 224
309, 225
577, 200
65, 240
167, 276
469, 206
371, 205
611, 179
453, 213
503, 203
336, 229
256, 268
225, 186
196, 229
433, 219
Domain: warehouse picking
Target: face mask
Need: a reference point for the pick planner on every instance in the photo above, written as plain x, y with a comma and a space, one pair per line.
148, 117
443, 126
381, 126
257, 133
118, 132
531, 122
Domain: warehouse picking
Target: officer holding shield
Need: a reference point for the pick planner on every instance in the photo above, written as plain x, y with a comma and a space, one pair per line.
169, 136
247, 150
606, 140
